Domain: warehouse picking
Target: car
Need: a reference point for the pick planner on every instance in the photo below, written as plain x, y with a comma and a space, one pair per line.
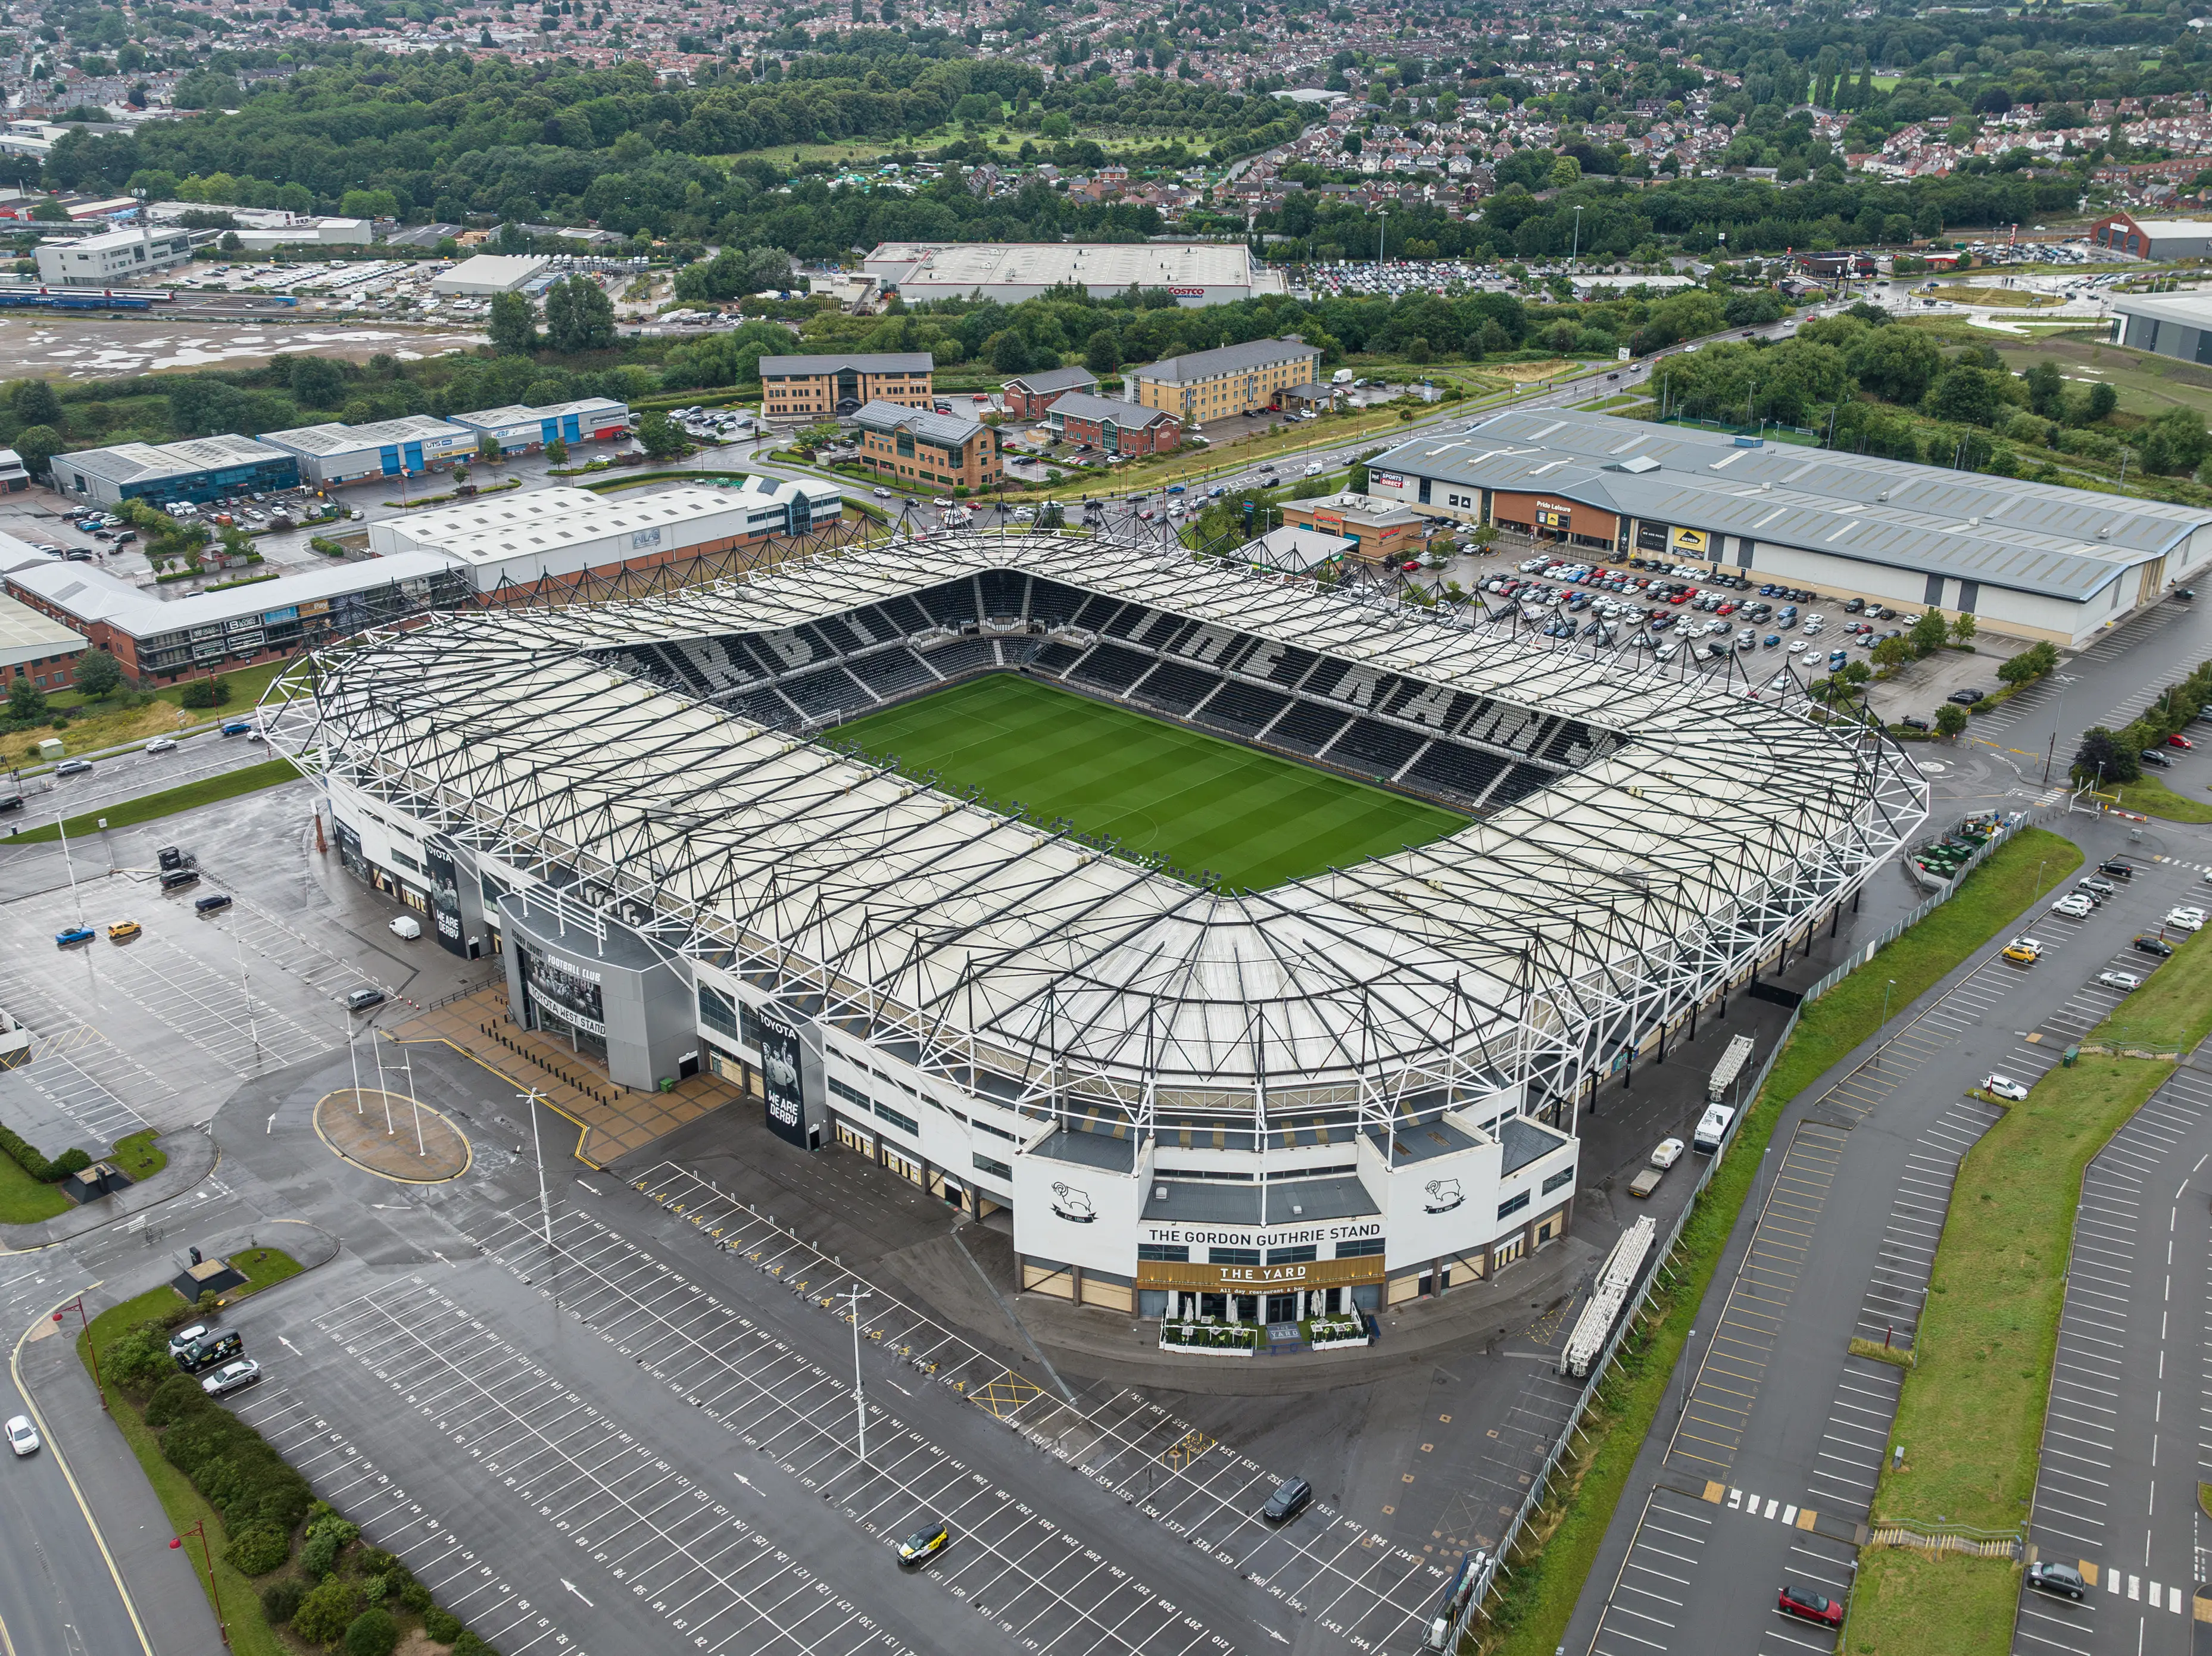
73, 767
22, 1436
72, 935
2177, 740
925, 1543
2117, 868
188, 1337
2075, 905
360, 1000
2155, 757
161, 744
232, 1377
2186, 918
1809, 1605
2004, 1087
238, 727
211, 902
1853, 606
2150, 943
2052, 1576
2026, 950
881, 493
1968, 698
2126, 982
1409, 565
1911, 723
123, 928
407, 926
1668, 1152
1292, 1496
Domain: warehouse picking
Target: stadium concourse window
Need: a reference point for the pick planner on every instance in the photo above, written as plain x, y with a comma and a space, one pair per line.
1513, 1204
1362, 1250
1163, 1254
996, 1169
1291, 1256
1564, 1175
896, 1119
1232, 1256
718, 1012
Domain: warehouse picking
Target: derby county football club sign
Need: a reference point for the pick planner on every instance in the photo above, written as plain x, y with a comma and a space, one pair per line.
787, 1094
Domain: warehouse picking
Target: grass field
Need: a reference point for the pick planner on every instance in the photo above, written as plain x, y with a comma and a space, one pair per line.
2172, 1012
2152, 797
229, 784
1204, 804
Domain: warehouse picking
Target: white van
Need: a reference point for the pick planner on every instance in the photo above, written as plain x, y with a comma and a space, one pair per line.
407, 926
1713, 1129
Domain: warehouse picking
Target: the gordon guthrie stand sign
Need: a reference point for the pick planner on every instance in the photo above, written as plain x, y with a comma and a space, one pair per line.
785, 1087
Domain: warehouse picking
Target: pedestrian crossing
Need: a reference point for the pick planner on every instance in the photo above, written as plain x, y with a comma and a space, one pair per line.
1775, 1509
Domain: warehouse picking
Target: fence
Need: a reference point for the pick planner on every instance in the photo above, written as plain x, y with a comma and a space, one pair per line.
1663, 1254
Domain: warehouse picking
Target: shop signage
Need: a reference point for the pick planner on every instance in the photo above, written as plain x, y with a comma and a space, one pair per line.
1553, 515
1385, 480
1188, 293
1310, 1273
1692, 541
1353, 1230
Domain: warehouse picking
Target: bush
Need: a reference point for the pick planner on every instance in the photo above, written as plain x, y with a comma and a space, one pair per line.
441, 1625
280, 1600
258, 1549
139, 1361
326, 1538
373, 1633
468, 1645
32, 1162
416, 1597
174, 1398
205, 693
327, 1611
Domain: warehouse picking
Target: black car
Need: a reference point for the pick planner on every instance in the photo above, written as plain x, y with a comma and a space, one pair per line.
1292, 1496
2151, 944
1910, 723
213, 902
2118, 869
2057, 1578
1968, 698
2158, 760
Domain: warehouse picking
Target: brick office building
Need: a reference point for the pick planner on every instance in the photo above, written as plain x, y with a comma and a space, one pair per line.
1029, 396
1116, 427
925, 450
821, 387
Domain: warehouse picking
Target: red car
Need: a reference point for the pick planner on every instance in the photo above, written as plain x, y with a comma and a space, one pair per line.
1678, 597
1810, 1605
1410, 565
2178, 741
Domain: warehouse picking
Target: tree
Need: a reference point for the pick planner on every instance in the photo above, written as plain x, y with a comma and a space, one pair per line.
37, 445
2102, 399
660, 435
1051, 515
513, 325
1101, 353
27, 702
1010, 353
487, 446
1950, 719
98, 675
556, 452
2102, 757
36, 403
579, 315
1962, 629
1929, 632
1892, 652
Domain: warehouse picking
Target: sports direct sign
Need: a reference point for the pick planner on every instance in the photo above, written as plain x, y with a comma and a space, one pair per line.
1385, 480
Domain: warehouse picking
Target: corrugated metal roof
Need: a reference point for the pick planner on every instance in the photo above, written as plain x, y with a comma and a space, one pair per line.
135, 463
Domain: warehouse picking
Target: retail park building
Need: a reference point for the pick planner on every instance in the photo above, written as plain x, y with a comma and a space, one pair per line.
2029, 560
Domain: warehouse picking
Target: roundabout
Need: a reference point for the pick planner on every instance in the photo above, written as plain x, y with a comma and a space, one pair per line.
392, 1135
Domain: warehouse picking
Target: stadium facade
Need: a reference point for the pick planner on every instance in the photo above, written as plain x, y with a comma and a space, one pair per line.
1337, 1093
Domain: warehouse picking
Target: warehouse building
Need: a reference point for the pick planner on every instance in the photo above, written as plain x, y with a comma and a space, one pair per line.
2031, 560
1234, 379
558, 534
818, 387
199, 469
332, 454
114, 258
1197, 273
492, 273
2168, 325
517, 429
2123, 233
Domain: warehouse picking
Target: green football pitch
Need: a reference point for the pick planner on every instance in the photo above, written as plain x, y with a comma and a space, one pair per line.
1203, 804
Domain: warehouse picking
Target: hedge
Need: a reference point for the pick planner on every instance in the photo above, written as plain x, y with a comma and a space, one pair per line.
26, 1157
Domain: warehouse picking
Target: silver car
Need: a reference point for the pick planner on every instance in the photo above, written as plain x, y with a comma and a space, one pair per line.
232, 1377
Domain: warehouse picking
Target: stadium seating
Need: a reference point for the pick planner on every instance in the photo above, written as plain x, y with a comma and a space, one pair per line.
1473, 751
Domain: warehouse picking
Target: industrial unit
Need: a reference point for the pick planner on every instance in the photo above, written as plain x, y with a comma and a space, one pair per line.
198, 469
2167, 324
2123, 233
2031, 560
114, 256
1331, 1097
1196, 272
333, 453
517, 429
492, 273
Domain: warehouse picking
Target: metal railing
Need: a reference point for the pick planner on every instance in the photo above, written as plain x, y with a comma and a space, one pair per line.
1662, 1256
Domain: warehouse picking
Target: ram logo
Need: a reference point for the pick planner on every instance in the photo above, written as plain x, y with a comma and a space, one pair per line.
1444, 1195
1072, 1204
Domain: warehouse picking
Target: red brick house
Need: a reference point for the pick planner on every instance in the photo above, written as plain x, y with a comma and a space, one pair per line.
1116, 427
1030, 396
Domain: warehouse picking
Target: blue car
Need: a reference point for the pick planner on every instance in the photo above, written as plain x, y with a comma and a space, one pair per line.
75, 934
238, 727
1217, 491
1174, 489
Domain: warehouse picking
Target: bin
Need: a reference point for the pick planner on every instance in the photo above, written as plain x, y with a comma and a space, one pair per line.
2071, 1057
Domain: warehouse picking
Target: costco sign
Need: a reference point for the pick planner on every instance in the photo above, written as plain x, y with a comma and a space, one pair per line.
1188, 293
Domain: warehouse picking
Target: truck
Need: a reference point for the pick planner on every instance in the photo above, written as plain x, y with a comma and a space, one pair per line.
1726, 1072
1341, 377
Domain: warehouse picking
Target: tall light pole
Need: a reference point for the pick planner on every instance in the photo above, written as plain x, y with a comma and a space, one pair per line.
1574, 257
1382, 228
199, 1528
544, 1201
854, 1296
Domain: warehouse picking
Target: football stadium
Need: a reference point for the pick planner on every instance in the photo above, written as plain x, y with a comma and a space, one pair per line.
1253, 946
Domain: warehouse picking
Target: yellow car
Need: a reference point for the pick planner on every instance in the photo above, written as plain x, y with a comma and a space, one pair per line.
925, 1543
122, 929
2026, 950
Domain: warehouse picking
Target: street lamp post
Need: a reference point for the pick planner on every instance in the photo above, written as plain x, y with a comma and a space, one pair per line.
544, 1201
1887, 984
199, 1528
854, 1294
1574, 257
77, 1306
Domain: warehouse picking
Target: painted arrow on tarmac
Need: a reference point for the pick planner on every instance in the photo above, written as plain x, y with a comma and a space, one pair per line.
578, 1591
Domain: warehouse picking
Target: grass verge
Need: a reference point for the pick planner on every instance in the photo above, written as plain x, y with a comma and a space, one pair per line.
250, 1632
2173, 1011
1875, 1351
263, 1267
1530, 1617
137, 1156
2154, 798
231, 785
25, 1200
1963, 1606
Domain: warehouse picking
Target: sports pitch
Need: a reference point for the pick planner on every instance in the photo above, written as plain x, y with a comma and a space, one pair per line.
1203, 804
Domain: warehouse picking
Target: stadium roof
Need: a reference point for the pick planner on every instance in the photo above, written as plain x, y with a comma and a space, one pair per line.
1709, 826
2038, 537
